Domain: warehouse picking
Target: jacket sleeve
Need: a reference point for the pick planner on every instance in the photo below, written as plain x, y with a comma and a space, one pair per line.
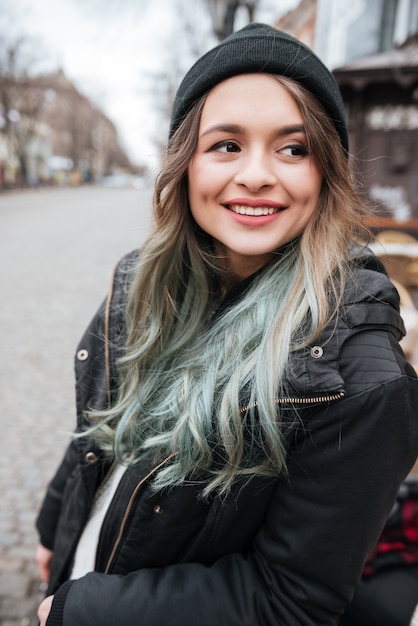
93, 385
48, 516
344, 470
91, 344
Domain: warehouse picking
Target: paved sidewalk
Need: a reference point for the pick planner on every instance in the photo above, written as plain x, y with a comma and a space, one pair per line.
57, 251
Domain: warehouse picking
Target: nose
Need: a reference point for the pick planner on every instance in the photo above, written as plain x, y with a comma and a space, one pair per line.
256, 170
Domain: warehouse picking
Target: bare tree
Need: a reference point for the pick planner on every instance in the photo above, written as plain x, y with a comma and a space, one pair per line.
21, 99
192, 36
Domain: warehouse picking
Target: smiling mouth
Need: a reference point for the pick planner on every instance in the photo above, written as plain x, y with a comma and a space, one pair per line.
249, 210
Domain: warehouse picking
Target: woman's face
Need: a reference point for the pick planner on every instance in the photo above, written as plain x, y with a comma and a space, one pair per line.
253, 186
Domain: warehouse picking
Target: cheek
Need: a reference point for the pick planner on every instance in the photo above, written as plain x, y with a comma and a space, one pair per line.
197, 192
308, 187
317, 178
197, 182
205, 178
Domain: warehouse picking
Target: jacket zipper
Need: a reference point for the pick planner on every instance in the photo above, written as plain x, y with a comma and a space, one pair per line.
129, 509
315, 400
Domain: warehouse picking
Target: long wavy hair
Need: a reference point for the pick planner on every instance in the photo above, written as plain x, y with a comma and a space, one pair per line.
199, 381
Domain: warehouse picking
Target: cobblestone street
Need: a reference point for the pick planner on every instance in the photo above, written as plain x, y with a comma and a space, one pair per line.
57, 251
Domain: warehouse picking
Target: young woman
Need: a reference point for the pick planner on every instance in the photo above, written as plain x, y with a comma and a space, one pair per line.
245, 413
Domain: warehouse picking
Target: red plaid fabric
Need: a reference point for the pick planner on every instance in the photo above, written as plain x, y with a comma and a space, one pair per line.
398, 543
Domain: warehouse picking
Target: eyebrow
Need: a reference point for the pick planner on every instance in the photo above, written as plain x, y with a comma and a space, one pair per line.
236, 130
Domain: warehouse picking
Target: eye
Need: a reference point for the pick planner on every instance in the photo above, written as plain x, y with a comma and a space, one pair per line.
295, 150
226, 147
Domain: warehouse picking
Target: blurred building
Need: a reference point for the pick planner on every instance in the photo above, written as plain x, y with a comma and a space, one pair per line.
52, 133
341, 31
381, 96
301, 22
350, 30
81, 133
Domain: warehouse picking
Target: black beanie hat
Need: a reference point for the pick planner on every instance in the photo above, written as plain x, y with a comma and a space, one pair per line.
261, 48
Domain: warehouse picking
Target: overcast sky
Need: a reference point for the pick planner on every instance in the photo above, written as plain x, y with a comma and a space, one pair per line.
114, 49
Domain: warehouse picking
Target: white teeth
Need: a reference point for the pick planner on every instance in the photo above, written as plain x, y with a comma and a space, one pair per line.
249, 210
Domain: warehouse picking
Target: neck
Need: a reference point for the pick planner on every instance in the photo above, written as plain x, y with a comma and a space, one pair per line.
238, 268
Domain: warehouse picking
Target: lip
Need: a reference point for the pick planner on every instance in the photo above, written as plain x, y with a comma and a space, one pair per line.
252, 220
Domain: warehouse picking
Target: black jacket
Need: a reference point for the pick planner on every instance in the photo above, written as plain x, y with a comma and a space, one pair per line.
281, 551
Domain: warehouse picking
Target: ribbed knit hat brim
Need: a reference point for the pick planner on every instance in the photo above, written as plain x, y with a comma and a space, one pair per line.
261, 48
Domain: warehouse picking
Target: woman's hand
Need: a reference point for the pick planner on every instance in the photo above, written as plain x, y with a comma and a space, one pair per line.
44, 559
44, 609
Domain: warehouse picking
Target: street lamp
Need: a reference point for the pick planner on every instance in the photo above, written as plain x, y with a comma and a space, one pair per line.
223, 15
